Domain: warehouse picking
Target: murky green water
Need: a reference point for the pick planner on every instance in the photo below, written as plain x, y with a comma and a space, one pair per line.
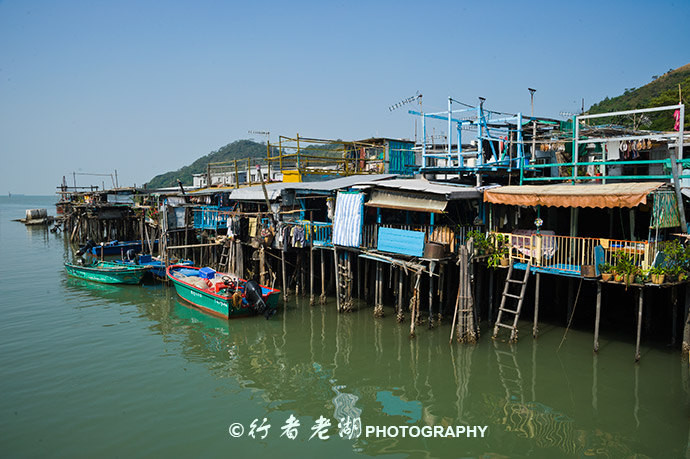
95, 370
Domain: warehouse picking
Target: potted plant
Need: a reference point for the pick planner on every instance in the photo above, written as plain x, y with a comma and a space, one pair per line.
606, 271
482, 244
625, 268
501, 252
657, 274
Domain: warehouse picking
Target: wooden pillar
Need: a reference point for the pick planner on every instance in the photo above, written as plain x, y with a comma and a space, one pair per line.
337, 277
597, 318
535, 328
400, 316
492, 273
366, 279
674, 313
639, 324
322, 298
311, 275
262, 265
432, 267
285, 287
378, 291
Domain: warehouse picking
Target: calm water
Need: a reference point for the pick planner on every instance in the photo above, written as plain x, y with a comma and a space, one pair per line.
95, 370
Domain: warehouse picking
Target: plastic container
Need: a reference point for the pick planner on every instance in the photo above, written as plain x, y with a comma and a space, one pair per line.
207, 273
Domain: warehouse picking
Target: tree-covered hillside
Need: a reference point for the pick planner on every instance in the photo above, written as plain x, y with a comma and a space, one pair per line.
663, 90
240, 149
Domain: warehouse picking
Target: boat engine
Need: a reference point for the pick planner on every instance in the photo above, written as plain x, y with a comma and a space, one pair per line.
252, 293
131, 255
88, 246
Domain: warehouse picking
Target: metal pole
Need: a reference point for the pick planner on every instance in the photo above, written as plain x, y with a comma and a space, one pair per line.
639, 325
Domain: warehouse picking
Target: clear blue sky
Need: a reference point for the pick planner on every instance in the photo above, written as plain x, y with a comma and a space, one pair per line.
149, 86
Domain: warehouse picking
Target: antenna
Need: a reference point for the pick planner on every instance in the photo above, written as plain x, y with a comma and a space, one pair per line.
266, 133
405, 102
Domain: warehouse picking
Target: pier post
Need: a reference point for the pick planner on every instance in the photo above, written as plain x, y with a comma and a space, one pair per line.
285, 289
674, 313
400, 316
432, 267
378, 291
491, 295
322, 298
639, 324
597, 318
337, 277
311, 274
535, 328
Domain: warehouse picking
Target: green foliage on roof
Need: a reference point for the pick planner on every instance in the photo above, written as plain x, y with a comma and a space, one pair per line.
661, 91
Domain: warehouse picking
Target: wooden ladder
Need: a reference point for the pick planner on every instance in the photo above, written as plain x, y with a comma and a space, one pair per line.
515, 312
224, 259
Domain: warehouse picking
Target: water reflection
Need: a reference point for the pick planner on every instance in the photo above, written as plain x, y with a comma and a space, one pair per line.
312, 361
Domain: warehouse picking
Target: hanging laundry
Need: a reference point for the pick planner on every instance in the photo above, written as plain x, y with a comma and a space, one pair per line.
298, 236
676, 116
253, 226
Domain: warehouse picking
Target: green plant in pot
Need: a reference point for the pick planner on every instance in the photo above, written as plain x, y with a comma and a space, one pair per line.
657, 274
482, 244
606, 270
499, 256
625, 268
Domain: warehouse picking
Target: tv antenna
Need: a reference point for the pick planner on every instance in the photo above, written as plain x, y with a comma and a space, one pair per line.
266, 133
405, 102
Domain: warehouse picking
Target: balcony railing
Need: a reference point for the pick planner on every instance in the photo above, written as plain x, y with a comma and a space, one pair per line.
568, 254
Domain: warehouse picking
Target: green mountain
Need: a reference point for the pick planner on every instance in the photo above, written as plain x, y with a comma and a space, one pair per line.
663, 90
240, 149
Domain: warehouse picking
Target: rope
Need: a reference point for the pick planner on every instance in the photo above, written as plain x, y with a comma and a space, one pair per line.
571, 316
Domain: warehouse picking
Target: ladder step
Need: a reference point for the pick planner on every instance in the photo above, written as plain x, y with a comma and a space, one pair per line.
508, 310
512, 296
515, 281
505, 326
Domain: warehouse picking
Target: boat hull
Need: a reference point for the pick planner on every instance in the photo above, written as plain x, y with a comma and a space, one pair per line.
109, 275
217, 304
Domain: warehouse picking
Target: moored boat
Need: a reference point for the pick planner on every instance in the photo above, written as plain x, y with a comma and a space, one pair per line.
221, 294
107, 272
155, 266
117, 247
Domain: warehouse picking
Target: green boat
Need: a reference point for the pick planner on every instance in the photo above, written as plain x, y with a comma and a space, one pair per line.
221, 294
107, 272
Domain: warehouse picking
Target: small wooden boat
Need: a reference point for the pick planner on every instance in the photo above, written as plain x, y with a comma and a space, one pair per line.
221, 294
107, 272
154, 265
117, 247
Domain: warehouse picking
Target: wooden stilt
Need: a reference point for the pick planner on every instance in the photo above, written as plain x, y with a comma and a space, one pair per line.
378, 291
492, 274
337, 277
322, 298
414, 303
535, 328
674, 314
639, 324
366, 279
686, 329
432, 267
400, 315
285, 286
359, 278
311, 276
597, 318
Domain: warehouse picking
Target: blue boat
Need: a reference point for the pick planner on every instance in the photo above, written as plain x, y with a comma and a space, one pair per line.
118, 247
155, 265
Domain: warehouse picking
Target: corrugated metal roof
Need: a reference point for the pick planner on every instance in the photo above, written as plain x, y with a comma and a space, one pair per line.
274, 190
449, 191
590, 195
406, 201
256, 193
339, 183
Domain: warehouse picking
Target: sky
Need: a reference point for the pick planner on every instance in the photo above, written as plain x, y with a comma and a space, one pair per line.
144, 87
